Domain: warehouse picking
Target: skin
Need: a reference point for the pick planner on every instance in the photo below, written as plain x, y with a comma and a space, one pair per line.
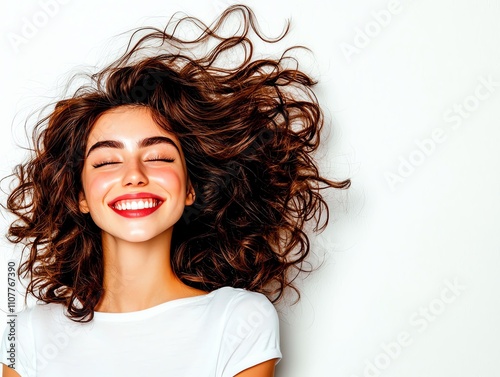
133, 246
137, 271
265, 369
9, 372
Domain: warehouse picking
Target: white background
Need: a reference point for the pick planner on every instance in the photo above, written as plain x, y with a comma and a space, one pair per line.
391, 250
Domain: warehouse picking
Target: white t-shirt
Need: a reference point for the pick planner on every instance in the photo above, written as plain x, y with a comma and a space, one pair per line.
218, 335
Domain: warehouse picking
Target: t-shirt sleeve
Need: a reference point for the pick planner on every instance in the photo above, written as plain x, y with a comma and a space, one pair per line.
17, 348
251, 334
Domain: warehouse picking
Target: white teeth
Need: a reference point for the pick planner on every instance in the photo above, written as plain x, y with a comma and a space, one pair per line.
123, 205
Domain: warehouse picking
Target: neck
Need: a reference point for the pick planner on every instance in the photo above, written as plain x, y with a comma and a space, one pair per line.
138, 275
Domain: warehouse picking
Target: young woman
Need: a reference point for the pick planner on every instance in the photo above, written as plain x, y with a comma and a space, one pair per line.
163, 211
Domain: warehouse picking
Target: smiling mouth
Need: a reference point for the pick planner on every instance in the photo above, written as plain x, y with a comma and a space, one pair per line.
140, 206
137, 204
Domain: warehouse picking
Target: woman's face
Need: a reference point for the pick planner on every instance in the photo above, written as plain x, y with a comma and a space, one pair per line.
134, 177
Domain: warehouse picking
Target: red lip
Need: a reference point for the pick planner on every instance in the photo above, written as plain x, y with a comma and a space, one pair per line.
132, 213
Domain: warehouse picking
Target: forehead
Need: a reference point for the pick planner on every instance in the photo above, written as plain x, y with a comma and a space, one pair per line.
127, 123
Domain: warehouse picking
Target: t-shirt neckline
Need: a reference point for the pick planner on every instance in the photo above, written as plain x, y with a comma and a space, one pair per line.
149, 312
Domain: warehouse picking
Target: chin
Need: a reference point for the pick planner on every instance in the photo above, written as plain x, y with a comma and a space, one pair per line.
142, 237
136, 235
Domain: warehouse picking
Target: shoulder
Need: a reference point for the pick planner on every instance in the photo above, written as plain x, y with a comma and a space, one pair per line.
39, 313
21, 336
250, 331
38, 323
239, 295
239, 301
34, 321
246, 313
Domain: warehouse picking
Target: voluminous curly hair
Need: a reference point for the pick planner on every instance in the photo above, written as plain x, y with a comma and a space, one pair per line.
248, 131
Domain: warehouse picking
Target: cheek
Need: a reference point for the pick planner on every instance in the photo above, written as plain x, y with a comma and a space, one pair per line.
169, 178
97, 186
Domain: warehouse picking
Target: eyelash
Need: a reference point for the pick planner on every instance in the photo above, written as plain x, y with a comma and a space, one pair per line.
98, 165
156, 158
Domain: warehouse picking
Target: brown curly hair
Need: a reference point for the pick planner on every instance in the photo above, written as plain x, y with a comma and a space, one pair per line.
248, 131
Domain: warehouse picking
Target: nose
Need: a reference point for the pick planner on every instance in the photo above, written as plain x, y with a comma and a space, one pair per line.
134, 174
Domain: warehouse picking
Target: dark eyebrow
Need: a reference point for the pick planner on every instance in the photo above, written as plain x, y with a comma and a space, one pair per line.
157, 140
106, 144
142, 143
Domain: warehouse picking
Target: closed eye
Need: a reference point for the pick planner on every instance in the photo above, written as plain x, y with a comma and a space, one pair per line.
153, 159
98, 165
161, 159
